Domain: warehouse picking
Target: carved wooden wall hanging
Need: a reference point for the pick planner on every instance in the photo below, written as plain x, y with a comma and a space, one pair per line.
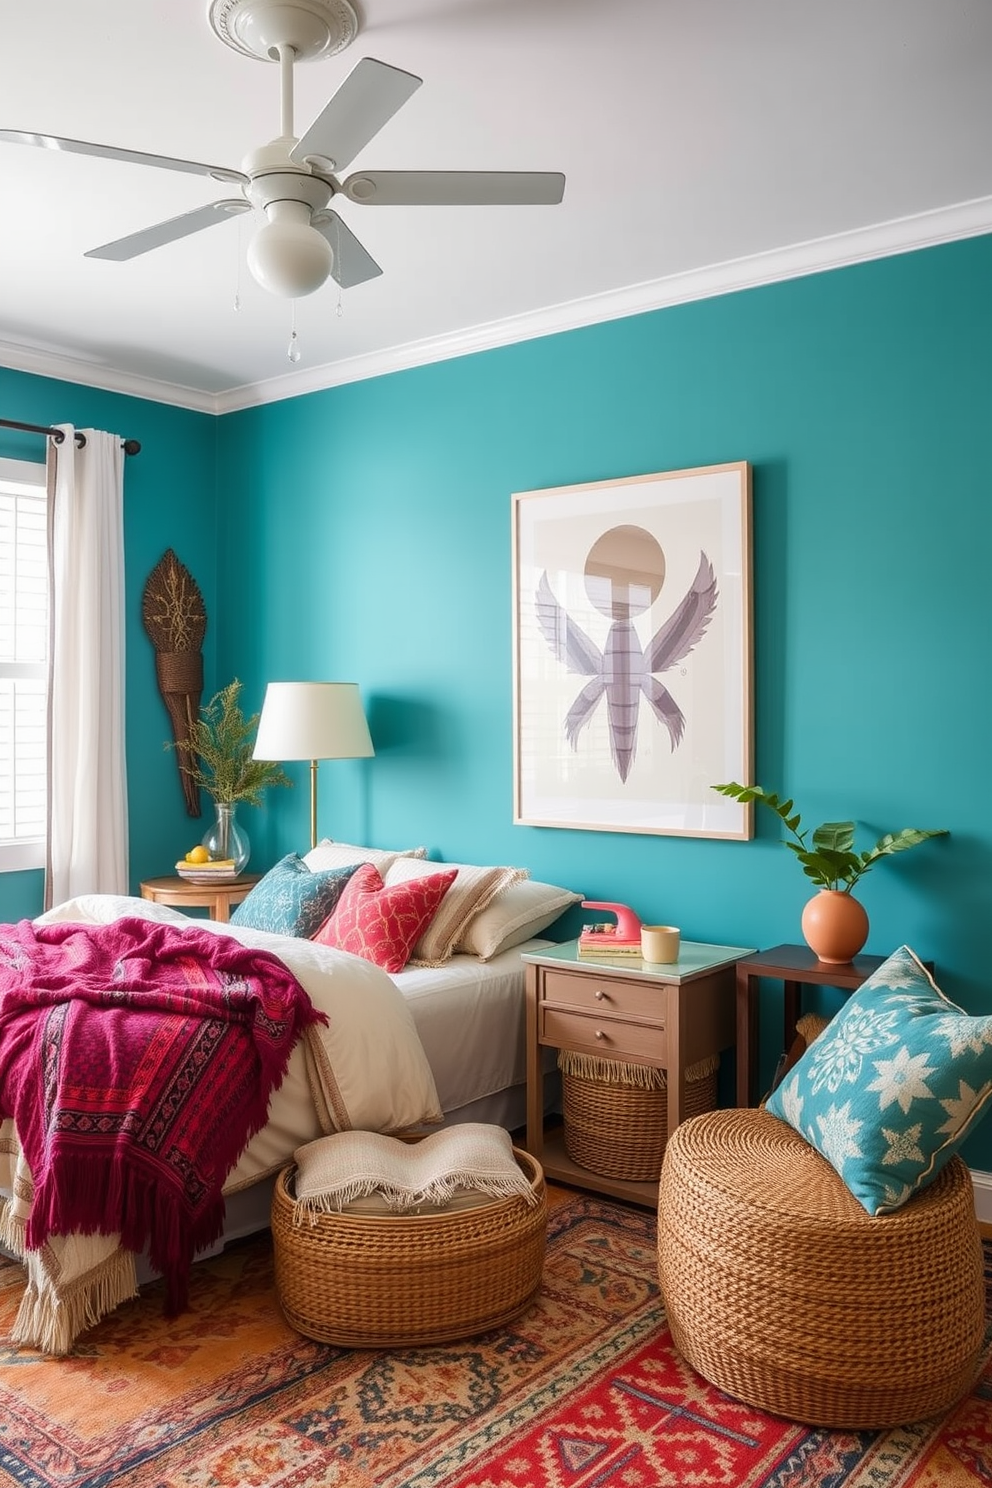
175, 619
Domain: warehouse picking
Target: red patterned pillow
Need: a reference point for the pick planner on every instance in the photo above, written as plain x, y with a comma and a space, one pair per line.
383, 924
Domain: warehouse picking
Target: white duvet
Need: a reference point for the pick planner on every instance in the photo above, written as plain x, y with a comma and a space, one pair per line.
366, 1070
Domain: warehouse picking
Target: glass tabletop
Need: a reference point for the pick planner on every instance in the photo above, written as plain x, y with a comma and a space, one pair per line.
695, 958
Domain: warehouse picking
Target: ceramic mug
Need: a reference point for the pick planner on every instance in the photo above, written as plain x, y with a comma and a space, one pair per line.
660, 943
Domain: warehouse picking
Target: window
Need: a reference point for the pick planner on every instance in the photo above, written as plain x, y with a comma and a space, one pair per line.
23, 663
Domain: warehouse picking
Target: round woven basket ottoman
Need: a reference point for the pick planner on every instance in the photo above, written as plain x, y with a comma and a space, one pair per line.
405, 1280
782, 1291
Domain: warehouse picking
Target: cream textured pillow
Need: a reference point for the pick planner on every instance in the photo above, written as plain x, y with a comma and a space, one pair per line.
335, 1172
330, 854
471, 891
519, 911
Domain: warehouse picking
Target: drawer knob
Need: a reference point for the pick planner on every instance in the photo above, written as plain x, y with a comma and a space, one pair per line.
601, 995
600, 1034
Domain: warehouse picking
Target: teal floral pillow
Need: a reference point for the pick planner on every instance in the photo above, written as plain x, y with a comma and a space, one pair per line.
892, 1086
291, 900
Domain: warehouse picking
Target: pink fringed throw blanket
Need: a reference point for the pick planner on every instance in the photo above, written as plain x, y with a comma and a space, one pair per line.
137, 1060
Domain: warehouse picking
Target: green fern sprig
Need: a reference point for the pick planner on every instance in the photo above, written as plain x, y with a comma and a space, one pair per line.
222, 740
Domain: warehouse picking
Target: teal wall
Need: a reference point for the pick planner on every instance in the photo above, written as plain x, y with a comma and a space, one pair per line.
363, 533
169, 501
368, 531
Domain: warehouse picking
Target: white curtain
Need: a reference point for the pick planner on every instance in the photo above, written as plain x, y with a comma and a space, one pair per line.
87, 784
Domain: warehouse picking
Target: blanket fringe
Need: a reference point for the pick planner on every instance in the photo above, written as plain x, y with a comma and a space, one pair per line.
52, 1323
12, 1228
406, 1200
640, 1076
152, 1220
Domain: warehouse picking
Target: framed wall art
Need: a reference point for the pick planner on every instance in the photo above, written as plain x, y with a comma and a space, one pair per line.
632, 653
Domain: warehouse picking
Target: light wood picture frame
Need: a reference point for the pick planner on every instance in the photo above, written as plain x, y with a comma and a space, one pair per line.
632, 688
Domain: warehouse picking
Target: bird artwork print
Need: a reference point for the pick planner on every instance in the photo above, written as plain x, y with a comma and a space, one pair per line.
624, 574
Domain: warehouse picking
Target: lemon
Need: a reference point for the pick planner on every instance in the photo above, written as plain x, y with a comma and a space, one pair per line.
198, 854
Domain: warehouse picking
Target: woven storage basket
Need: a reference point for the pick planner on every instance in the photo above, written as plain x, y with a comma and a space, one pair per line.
617, 1127
782, 1291
403, 1280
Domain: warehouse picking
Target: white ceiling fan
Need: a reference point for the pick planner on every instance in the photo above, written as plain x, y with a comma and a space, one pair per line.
290, 180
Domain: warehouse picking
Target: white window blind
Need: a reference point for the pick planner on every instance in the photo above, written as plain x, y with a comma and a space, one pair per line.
23, 663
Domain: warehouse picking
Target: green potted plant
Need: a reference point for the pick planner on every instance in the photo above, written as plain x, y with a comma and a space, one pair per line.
834, 923
221, 742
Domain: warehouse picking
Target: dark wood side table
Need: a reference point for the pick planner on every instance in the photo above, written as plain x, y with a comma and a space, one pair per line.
794, 966
217, 899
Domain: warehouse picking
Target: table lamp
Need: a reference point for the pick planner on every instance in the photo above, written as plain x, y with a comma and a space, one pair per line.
312, 721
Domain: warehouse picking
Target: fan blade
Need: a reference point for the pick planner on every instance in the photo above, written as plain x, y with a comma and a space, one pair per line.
455, 188
111, 152
353, 264
168, 232
367, 99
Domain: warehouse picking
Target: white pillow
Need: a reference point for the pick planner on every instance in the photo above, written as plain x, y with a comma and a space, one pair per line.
518, 912
331, 854
471, 891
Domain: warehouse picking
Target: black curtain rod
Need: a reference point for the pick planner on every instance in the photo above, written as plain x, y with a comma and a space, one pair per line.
129, 446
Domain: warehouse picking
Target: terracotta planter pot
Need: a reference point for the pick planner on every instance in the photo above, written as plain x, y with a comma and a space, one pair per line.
835, 926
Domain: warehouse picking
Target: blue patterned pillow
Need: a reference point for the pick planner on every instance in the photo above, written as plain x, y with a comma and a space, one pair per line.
892, 1086
290, 900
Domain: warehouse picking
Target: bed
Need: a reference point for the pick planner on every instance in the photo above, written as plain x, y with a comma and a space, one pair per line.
469, 1016
445, 1043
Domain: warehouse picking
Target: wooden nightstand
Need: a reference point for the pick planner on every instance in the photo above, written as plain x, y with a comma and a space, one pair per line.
217, 899
625, 1009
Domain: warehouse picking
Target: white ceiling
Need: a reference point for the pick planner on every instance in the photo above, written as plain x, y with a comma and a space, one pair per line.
706, 144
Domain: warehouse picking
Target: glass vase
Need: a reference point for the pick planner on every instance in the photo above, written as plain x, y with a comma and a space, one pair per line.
226, 838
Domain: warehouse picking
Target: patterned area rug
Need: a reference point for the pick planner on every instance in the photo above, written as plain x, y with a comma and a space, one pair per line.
584, 1391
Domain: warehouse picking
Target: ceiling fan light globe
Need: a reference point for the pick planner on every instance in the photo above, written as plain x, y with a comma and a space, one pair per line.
290, 259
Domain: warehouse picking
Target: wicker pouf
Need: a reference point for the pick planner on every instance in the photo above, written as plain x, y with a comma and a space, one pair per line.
615, 1116
781, 1290
403, 1280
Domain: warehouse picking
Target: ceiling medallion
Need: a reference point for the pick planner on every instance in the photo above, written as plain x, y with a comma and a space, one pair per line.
257, 28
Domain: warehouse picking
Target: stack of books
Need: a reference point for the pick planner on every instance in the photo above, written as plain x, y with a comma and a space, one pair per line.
218, 870
605, 940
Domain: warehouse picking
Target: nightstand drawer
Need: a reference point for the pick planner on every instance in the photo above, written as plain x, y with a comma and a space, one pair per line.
603, 995
610, 1038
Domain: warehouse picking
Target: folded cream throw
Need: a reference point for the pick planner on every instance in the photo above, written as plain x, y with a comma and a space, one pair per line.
336, 1170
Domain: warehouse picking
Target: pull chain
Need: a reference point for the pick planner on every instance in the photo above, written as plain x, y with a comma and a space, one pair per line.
293, 351
337, 259
241, 259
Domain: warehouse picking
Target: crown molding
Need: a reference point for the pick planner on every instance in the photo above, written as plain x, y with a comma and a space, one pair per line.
926, 230
64, 367
901, 235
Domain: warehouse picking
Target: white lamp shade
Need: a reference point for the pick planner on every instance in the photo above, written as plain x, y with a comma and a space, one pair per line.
312, 721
